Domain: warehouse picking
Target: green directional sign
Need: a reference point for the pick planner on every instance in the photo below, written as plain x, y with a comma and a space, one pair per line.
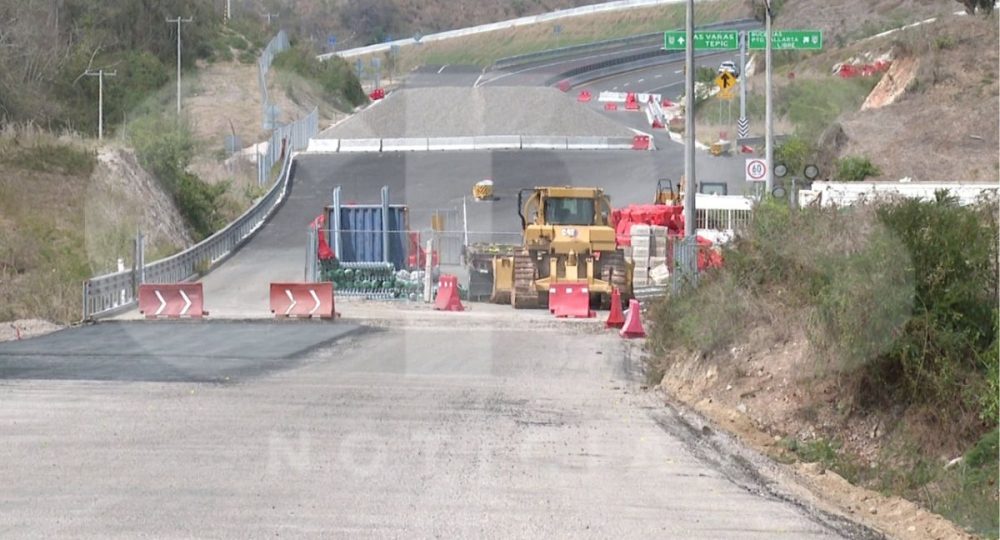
703, 39
788, 39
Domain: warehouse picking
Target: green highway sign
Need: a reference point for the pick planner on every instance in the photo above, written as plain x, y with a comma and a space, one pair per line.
788, 39
703, 39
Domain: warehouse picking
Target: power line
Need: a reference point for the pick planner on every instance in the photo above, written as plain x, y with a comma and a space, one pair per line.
178, 21
100, 74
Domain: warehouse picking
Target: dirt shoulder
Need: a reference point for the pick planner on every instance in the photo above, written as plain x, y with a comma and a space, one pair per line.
760, 402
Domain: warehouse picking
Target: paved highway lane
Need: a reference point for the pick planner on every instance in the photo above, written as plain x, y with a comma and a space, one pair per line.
397, 433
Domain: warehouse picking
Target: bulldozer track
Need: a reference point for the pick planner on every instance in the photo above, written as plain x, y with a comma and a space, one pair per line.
524, 295
614, 270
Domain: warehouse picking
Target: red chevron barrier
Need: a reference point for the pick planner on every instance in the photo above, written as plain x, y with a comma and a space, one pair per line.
172, 300
447, 298
640, 142
304, 300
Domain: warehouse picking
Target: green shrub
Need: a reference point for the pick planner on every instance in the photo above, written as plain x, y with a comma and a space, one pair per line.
856, 169
335, 76
813, 104
795, 152
165, 148
47, 157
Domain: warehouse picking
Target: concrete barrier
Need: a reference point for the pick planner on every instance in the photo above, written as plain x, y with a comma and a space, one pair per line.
404, 145
497, 142
587, 143
361, 145
543, 143
619, 143
323, 146
451, 143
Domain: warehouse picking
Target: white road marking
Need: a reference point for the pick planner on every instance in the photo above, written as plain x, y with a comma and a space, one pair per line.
442, 68
163, 303
678, 71
187, 303
290, 298
626, 85
657, 76
642, 80
315, 299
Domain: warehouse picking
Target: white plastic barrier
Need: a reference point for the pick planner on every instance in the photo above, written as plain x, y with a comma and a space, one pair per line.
845, 193
620, 97
451, 143
360, 145
404, 145
497, 142
323, 145
543, 143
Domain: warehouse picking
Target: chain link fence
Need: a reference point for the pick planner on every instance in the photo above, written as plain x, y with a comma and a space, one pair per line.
277, 44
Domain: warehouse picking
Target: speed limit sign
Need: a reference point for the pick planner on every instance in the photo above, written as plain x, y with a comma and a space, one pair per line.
756, 170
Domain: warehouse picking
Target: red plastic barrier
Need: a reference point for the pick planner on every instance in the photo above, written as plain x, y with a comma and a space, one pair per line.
631, 103
657, 123
616, 318
640, 142
323, 250
447, 298
664, 215
172, 300
667, 103
746, 149
584, 97
377, 94
570, 299
633, 323
418, 257
563, 85
302, 300
610, 107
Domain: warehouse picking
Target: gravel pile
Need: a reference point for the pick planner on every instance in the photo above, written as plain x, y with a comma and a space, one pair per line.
470, 112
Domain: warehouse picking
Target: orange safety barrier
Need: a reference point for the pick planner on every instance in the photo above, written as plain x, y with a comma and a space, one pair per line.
633, 324
610, 107
302, 300
640, 142
172, 300
616, 318
377, 94
570, 299
447, 298
584, 96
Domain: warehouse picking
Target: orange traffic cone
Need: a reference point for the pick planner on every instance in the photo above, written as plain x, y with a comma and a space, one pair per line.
616, 318
633, 324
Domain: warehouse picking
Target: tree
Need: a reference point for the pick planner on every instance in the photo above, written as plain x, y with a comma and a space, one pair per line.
985, 6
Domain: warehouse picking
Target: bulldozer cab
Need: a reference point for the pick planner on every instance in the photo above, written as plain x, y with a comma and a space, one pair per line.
665, 193
547, 206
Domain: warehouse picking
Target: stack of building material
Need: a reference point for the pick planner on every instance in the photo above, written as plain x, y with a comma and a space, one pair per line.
648, 254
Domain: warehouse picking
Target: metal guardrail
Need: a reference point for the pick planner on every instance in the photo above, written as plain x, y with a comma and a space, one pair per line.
103, 295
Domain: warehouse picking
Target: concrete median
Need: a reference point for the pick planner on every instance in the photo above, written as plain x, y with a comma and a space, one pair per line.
587, 143
361, 145
404, 145
323, 146
543, 143
497, 142
451, 143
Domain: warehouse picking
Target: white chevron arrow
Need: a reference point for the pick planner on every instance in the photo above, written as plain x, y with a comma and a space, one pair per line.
291, 298
315, 299
163, 303
187, 303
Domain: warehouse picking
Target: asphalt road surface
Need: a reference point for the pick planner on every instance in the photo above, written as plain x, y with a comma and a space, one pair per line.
395, 433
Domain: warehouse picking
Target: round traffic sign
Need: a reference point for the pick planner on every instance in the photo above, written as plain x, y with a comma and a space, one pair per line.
778, 192
780, 170
756, 170
811, 172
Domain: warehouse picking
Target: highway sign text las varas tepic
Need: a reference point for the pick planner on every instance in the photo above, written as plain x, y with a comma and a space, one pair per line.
717, 39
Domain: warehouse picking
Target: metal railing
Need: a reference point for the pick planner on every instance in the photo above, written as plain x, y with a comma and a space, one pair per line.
109, 293
277, 44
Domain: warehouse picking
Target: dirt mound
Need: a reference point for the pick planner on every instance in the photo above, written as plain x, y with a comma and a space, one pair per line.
470, 112
893, 84
25, 328
121, 198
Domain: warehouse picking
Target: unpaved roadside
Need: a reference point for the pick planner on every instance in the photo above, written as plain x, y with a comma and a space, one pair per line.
894, 516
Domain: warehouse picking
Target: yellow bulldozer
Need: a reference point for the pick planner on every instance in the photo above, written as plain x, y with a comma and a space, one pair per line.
568, 239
